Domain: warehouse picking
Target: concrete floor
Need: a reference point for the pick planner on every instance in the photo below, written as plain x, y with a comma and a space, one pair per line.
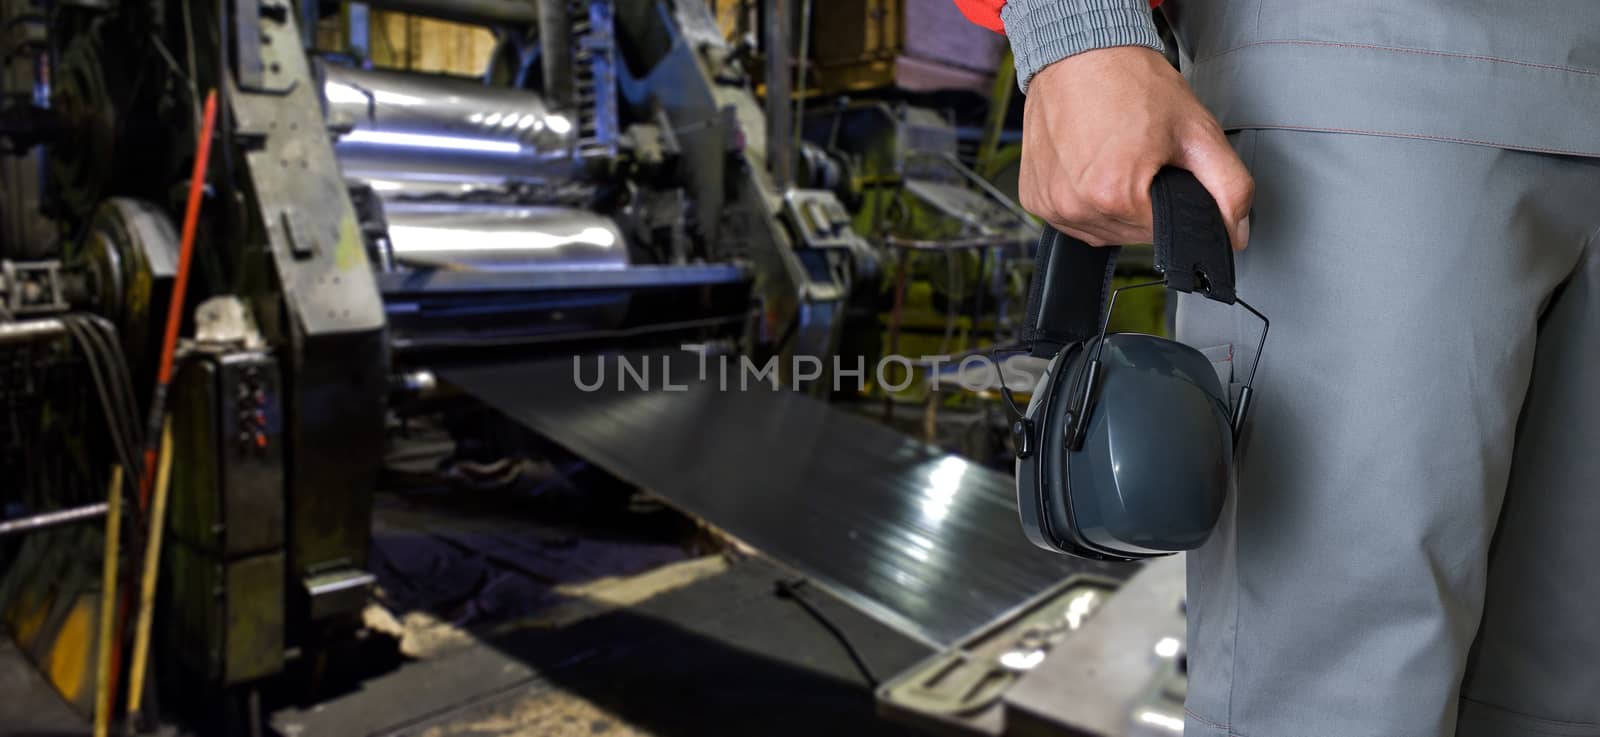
29, 707
721, 655
518, 615
696, 648
558, 608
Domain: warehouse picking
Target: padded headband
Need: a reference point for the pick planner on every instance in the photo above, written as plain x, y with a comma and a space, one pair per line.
1072, 280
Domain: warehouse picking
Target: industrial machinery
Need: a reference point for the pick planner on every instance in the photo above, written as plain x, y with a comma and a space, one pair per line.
957, 256
914, 195
604, 185
627, 192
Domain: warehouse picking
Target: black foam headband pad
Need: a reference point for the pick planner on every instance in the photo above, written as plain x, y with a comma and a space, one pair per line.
1192, 245
1072, 280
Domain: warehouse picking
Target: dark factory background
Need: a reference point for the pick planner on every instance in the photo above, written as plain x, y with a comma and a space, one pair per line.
533, 367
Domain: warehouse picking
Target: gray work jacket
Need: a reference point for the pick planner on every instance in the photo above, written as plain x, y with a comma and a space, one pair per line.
1521, 74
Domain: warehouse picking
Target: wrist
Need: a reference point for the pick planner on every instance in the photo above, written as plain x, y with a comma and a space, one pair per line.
1043, 32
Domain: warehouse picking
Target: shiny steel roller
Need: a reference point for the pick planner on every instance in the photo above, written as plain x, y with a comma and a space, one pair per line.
428, 146
402, 132
486, 237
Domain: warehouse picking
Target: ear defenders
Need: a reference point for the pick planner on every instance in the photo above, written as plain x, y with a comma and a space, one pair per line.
1126, 449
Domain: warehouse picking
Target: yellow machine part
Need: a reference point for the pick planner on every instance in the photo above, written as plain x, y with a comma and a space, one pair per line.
73, 651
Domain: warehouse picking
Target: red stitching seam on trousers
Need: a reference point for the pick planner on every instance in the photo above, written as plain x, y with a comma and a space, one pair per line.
1205, 721
1210, 723
1423, 136
1403, 50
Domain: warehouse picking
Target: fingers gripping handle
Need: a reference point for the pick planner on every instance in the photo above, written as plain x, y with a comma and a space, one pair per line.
1072, 280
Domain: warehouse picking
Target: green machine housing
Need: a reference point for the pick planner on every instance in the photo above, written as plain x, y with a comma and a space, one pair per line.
225, 566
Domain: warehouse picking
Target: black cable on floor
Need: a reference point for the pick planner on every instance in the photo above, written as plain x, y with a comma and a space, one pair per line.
791, 590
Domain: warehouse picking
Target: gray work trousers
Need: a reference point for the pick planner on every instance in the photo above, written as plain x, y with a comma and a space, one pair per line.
1413, 549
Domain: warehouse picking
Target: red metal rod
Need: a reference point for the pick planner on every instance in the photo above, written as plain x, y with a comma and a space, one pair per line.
180, 287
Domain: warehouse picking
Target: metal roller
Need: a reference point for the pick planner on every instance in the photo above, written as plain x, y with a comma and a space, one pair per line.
399, 130
484, 12
493, 237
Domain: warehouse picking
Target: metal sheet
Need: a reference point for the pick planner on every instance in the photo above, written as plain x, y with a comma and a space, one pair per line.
924, 541
489, 237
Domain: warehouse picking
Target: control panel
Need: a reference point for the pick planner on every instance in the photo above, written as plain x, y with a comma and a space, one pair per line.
228, 493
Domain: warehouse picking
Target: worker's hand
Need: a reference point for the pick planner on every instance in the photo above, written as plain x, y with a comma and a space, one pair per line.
1097, 127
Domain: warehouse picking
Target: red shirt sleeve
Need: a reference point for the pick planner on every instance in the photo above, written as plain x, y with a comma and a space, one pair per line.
986, 13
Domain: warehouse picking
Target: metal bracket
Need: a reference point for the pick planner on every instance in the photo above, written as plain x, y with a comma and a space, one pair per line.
248, 70
302, 244
336, 591
255, 63
31, 287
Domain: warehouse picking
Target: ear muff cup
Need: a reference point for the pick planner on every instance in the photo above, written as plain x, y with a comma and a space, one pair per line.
1044, 499
1153, 469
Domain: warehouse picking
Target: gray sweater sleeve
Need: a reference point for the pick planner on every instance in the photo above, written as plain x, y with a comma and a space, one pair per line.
1043, 32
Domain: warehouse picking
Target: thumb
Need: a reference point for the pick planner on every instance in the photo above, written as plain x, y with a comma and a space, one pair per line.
1212, 161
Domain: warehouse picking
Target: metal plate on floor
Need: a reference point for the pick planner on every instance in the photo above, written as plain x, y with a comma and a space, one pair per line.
922, 540
1125, 669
